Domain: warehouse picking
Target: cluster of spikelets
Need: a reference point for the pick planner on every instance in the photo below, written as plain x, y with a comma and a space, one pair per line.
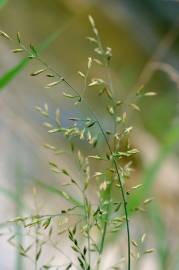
91, 221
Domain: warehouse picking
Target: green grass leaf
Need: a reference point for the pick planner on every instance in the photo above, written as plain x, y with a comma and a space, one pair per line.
3, 3
11, 73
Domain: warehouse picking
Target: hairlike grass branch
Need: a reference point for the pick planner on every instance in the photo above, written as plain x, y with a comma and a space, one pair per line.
34, 55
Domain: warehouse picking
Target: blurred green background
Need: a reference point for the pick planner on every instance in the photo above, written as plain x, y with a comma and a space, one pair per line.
144, 37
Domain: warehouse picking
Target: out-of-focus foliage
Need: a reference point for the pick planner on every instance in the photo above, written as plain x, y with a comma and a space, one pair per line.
3, 3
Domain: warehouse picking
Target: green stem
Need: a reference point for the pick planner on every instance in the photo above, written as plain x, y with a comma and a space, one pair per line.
86, 209
105, 224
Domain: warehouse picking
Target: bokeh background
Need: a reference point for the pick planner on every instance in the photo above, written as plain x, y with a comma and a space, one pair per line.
144, 37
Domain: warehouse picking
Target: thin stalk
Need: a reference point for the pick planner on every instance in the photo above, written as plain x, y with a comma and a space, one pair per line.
36, 230
105, 224
88, 229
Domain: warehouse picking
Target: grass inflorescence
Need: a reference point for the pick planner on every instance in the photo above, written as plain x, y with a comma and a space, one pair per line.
92, 220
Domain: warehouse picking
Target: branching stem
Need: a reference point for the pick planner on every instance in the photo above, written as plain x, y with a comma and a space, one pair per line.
82, 99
